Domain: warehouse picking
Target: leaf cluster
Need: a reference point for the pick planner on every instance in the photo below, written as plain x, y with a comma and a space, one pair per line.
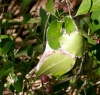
71, 40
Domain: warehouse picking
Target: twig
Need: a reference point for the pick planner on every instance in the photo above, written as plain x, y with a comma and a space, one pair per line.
82, 87
84, 91
67, 2
83, 57
79, 71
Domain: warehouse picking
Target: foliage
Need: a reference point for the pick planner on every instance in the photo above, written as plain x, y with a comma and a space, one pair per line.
71, 58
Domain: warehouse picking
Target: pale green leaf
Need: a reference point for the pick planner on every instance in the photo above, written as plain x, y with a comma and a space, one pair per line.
50, 6
69, 24
53, 34
73, 43
56, 64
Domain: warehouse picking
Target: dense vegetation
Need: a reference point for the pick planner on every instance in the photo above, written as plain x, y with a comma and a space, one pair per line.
52, 49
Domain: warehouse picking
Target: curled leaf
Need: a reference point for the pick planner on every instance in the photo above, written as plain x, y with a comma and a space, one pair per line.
70, 26
73, 43
53, 34
56, 64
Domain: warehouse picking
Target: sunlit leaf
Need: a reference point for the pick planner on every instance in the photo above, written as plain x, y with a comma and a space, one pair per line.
69, 24
84, 7
56, 64
73, 43
53, 34
95, 5
88, 5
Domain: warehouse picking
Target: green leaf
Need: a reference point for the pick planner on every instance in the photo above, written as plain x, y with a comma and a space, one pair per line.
56, 64
98, 71
52, 18
84, 23
95, 5
6, 47
73, 80
95, 21
86, 6
73, 43
31, 34
50, 6
4, 36
1, 58
4, 39
69, 25
6, 68
1, 87
26, 18
90, 40
19, 84
23, 51
43, 16
25, 3
30, 50
53, 34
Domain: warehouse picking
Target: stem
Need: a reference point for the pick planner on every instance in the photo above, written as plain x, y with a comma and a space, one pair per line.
67, 2
45, 29
19, 21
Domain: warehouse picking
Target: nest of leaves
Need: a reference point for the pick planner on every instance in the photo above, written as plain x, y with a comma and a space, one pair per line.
22, 40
